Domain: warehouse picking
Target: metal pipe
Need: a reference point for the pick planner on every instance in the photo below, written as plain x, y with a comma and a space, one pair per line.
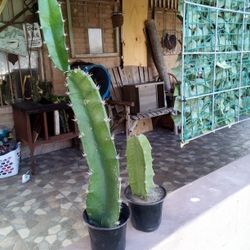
10, 79
182, 73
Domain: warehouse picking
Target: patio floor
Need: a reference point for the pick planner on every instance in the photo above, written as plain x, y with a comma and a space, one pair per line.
45, 213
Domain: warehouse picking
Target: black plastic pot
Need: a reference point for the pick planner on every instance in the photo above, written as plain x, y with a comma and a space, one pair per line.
109, 238
145, 217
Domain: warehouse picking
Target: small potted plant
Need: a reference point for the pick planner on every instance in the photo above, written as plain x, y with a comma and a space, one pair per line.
144, 197
105, 215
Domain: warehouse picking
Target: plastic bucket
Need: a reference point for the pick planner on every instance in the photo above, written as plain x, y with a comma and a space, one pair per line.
101, 77
9, 163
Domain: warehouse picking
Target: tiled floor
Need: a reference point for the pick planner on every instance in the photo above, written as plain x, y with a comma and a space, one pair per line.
46, 212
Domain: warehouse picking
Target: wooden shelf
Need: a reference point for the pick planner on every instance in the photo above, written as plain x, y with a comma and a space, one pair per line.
33, 125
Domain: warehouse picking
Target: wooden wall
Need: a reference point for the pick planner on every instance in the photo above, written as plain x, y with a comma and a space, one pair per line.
133, 37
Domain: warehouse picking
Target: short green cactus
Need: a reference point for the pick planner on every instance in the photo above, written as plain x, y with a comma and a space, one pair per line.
103, 198
139, 164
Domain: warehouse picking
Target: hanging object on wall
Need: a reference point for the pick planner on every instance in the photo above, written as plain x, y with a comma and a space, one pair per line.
32, 35
164, 12
12, 40
117, 19
2, 5
12, 58
169, 41
95, 36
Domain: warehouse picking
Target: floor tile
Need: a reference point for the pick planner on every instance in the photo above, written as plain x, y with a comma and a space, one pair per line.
46, 212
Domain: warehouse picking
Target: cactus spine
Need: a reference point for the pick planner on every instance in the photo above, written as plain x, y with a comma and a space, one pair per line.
139, 164
103, 196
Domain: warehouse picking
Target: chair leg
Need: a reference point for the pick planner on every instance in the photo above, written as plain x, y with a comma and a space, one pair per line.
110, 115
132, 127
127, 125
176, 130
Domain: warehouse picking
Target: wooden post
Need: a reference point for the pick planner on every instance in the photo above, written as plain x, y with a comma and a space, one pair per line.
157, 53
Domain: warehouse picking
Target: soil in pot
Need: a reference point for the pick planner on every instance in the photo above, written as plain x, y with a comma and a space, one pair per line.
109, 238
146, 214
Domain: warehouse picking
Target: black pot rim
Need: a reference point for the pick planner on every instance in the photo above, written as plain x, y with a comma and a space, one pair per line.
124, 206
144, 203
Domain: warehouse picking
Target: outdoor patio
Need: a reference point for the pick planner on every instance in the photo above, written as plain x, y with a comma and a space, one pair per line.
45, 213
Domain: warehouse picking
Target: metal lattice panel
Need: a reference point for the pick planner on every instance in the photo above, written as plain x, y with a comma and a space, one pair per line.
215, 90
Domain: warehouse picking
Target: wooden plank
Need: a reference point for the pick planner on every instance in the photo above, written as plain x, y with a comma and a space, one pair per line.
146, 84
134, 42
97, 55
135, 73
123, 77
115, 86
148, 98
141, 73
128, 74
117, 77
138, 74
150, 75
145, 70
132, 74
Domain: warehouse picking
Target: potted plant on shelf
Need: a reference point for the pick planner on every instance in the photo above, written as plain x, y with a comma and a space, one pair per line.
144, 197
105, 215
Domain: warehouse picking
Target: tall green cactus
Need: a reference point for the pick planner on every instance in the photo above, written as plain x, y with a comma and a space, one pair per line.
103, 196
139, 164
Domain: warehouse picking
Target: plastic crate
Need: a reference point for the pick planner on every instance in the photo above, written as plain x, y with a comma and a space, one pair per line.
9, 163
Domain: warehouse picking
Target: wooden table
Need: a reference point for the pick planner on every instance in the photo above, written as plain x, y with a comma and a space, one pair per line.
34, 126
